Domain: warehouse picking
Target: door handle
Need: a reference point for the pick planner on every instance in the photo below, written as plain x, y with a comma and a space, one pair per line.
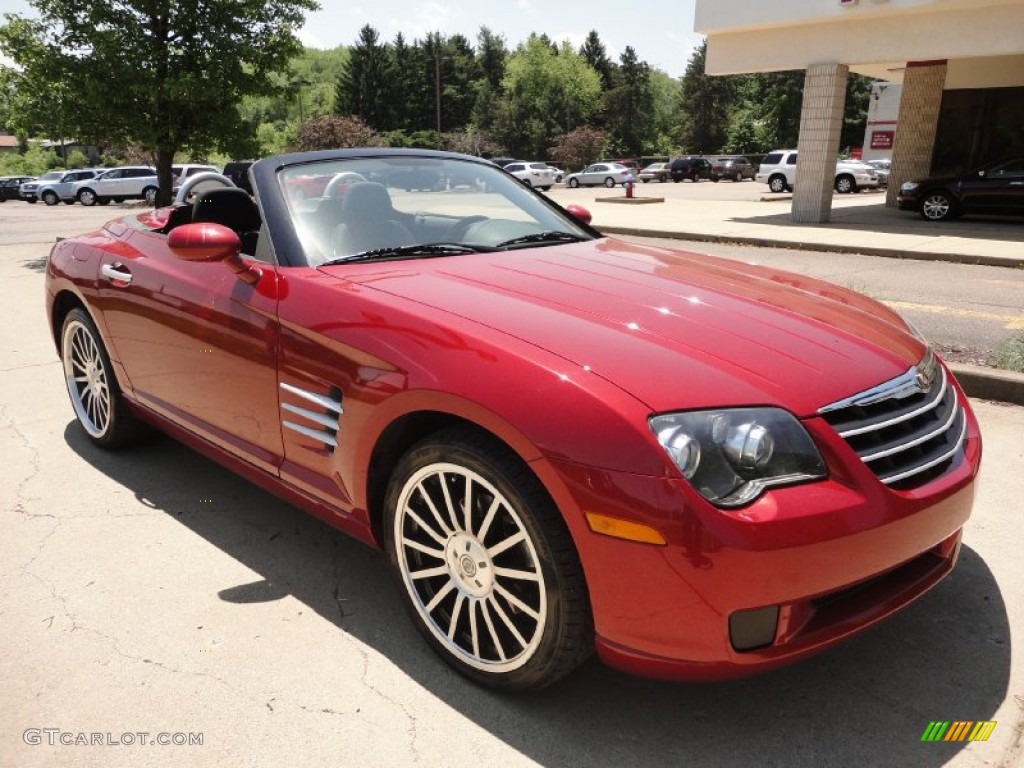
116, 273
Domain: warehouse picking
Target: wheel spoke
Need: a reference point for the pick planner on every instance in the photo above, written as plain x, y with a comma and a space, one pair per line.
467, 506
442, 593
438, 553
449, 508
511, 541
516, 602
512, 573
427, 573
490, 629
433, 509
474, 632
454, 623
488, 519
507, 622
429, 531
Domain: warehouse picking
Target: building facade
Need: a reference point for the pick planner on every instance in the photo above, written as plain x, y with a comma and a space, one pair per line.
959, 65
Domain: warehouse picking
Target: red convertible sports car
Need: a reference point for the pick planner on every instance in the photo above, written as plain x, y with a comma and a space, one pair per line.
562, 442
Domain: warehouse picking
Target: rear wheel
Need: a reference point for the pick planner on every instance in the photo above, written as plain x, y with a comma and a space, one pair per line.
149, 195
50, 197
102, 200
486, 563
609, 182
574, 183
938, 205
91, 385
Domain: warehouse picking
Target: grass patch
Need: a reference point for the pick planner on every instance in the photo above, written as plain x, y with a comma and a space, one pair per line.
1010, 354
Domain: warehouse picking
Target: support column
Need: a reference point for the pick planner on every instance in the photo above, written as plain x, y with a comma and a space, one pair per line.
916, 125
821, 121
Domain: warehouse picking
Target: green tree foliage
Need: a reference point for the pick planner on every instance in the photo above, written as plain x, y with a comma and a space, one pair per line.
629, 107
705, 106
593, 51
336, 132
579, 148
364, 85
546, 94
665, 122
167, 75
855, 120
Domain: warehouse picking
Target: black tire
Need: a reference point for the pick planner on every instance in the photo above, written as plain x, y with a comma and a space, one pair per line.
644, 180
524, 643
738, 177
716, 179
70, 201
118, 200
938, 205
845, 184
609, 182
31, 200
149, 195
573, 183
777, 183
87, 197
102, 200
92, 387
50, 197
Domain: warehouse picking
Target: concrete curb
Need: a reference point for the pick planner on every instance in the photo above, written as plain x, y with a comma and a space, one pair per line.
892, 253
990, 383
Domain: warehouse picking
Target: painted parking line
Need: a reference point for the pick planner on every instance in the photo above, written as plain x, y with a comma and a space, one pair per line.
1009, 322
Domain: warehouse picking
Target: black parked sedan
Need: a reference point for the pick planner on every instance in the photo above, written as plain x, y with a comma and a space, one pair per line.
995, 190
9, 187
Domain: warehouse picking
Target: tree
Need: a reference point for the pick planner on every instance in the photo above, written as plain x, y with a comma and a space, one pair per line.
579, 148
166, 75
364, 85
593, 51
336, 132
706, 103
629, 106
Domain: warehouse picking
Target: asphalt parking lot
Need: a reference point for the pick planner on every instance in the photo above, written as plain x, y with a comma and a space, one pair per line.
153, 592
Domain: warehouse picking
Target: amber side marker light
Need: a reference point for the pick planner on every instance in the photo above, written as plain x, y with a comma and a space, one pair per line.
624, 529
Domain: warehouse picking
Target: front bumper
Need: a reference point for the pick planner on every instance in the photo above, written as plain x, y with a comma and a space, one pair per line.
806, 566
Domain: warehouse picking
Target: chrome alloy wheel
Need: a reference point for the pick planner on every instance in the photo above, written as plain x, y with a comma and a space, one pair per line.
470, 567
936, 206
87, 378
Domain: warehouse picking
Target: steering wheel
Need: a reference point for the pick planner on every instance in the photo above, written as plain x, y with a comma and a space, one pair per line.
342, 180
192, 181
460, 229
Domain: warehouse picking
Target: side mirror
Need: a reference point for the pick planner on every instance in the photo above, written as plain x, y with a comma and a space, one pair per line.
207, 242
579, 212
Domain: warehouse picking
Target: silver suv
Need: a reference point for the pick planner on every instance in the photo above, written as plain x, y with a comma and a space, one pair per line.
55, 187
128, 182
778, 170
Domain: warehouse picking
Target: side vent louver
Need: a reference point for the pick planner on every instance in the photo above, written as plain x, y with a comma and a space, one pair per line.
321, 422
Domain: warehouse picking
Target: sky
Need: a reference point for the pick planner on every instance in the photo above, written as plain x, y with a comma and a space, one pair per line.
660, 31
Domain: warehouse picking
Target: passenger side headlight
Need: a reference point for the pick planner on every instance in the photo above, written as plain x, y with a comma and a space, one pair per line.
730, 456
908, 186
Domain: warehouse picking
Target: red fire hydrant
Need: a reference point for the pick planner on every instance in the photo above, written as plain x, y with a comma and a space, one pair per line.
628, 184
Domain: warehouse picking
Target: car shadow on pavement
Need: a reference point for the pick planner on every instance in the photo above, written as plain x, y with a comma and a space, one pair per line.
868, 702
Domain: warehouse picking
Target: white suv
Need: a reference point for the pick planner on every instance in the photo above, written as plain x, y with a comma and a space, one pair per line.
778, 171
537, 175
118, 184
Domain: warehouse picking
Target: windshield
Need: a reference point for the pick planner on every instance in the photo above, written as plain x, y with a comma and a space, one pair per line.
408, 207
51, 176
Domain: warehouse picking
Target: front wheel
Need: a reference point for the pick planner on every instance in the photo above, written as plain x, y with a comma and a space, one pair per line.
609, 182
938, 206
149, 195
573, 183
486, 563
50, 197
777, 184
845, 184
90, 381
87, 197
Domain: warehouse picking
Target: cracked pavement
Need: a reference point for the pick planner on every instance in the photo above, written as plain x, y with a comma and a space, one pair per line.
152, 591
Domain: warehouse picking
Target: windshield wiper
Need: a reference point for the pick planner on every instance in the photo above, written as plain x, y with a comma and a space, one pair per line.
405, 251
551, 236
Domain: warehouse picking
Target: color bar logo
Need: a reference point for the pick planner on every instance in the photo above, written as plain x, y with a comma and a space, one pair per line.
958, 730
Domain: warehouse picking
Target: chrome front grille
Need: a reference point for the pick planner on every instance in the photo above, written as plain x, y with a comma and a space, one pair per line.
907, 430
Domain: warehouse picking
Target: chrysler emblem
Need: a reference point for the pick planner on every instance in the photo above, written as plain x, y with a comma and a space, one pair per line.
924, 378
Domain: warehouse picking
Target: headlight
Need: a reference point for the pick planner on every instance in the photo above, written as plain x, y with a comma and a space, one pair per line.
731, 456
908, 186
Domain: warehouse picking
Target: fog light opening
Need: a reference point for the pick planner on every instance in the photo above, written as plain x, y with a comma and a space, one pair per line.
753, 629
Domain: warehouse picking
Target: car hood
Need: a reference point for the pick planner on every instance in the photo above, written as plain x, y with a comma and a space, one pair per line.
674, 329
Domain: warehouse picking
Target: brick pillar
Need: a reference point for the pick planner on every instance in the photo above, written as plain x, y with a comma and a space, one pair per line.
917, 124
821, 120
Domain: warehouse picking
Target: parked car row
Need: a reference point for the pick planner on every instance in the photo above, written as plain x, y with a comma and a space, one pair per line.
94, 186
